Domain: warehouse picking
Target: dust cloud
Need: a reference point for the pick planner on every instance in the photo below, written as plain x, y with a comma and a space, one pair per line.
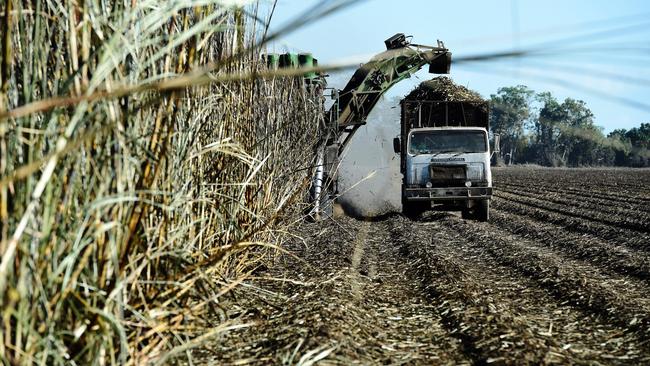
369, 176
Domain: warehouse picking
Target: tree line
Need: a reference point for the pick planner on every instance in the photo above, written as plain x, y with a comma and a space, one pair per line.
537, 128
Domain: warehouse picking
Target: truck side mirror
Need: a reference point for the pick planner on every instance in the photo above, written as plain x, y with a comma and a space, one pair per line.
397, 145
496, 143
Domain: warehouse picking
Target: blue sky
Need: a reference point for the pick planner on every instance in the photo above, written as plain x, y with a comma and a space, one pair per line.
598, 50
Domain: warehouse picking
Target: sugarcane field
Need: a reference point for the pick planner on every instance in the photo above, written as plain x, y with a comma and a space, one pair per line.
250, 182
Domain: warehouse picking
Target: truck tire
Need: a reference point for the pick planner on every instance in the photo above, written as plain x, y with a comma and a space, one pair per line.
483, 211
414, 209
466, 214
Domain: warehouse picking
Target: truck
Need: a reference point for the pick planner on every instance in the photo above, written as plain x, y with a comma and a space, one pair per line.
445, 157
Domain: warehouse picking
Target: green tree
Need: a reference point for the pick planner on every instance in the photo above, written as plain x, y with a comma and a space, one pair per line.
618, 133
511, 110
632, 146
639, 136
621, 146
547, 130
565, 132
588, 147
580, 138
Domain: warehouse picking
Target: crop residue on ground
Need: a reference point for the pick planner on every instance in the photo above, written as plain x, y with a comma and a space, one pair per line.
559, 275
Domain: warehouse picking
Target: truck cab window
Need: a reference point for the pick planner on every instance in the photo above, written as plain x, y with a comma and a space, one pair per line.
446, 141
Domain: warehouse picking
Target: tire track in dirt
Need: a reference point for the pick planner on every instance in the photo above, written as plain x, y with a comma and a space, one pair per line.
357, 256
468, 309
407, 329
347, 301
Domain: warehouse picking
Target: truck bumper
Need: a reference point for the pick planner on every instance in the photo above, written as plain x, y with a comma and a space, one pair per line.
448, 194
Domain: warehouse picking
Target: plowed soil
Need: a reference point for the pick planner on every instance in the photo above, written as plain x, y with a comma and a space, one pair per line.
560, 274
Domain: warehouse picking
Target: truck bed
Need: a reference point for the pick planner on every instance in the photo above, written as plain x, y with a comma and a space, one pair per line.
427, 113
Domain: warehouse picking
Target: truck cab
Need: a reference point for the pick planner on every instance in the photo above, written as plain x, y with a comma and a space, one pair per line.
446, 167
449, 166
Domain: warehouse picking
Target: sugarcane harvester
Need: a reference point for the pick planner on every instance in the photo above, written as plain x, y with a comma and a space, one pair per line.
352, 105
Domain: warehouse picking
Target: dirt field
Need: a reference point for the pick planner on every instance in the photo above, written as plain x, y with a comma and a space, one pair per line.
561, 274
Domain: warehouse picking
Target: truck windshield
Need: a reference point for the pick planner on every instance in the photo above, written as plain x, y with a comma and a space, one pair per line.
446, 141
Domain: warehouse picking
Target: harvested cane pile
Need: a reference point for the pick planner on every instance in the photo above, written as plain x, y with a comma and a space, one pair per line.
422, 107
443, 88
137, 198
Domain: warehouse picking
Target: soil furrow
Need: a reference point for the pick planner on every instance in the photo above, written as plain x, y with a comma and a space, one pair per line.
349, 298
624, 303
497, 311
578, 246
637, 203
615, 235
549, 280
468, 307
591, 179
607, 207
590, 215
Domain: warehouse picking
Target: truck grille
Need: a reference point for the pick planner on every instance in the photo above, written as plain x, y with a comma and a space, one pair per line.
447, 175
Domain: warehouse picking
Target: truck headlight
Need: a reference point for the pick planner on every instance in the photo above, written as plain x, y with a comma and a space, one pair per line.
429, 185
468, 184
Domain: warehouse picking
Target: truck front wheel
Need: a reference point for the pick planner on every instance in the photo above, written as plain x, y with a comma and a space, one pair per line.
483, 210
480, 211
414, 209
466, 214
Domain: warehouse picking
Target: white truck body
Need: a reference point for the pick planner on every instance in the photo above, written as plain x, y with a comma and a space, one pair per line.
446, 168
470, 166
